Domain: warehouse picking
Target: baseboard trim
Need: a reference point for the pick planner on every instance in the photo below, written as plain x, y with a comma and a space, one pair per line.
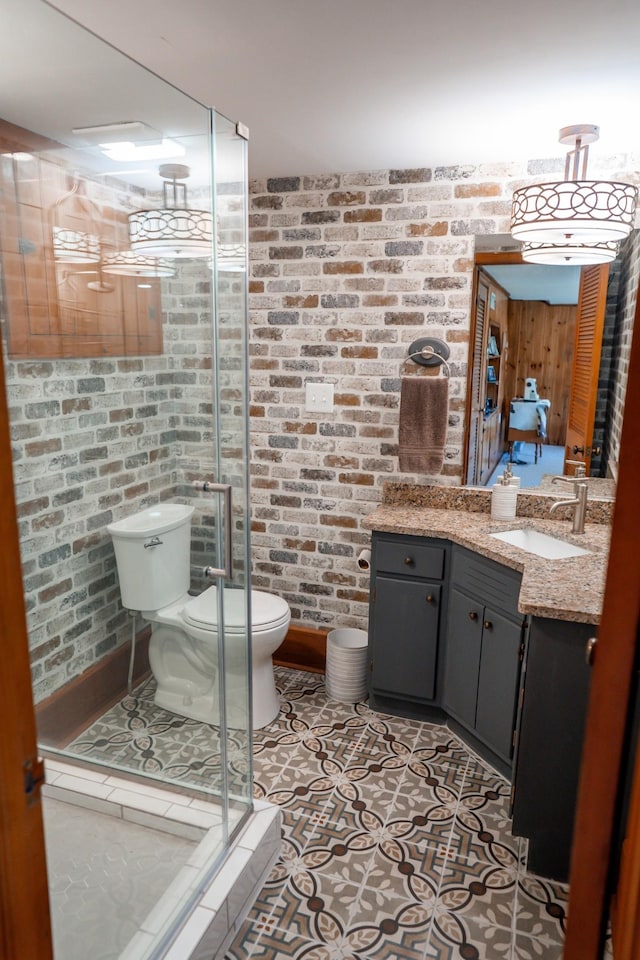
72, 708
303, 648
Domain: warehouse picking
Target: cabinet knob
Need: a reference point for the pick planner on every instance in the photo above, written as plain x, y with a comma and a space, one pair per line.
590, 651
473, 615
430, 598
488, 625
408, 561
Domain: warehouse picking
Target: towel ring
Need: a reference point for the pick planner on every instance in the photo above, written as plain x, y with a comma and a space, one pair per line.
428, 353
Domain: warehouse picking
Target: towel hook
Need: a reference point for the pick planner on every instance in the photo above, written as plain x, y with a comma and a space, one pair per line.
428, 352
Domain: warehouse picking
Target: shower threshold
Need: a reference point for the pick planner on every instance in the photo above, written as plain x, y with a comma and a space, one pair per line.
176, 838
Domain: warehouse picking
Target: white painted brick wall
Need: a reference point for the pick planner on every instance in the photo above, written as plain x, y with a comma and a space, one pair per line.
346, 271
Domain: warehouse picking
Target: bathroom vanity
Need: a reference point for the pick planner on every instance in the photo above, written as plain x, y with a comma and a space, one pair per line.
473, 632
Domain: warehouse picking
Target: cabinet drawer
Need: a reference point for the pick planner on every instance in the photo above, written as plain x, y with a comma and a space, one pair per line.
411, 557
486, 580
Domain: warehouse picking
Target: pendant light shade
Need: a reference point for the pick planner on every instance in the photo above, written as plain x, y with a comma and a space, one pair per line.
566, 254
556, 219
173, 230
76, 226
127, 263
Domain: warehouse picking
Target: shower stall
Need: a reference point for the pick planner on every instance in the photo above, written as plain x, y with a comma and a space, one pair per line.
124, 332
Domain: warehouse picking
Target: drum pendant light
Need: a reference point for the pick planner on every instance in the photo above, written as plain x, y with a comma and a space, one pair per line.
173, 230
561, 221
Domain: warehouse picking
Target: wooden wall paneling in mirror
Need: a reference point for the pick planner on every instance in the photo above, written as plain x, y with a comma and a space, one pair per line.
541, 339
65, 309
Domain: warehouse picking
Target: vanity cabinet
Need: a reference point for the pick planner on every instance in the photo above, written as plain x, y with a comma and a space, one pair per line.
407, 600
484, 651
555, 696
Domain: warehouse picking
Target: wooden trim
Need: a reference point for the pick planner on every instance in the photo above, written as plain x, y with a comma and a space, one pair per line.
493, 259
611, 688
626, 906
470, 366
25, 930
303, 648
72, 708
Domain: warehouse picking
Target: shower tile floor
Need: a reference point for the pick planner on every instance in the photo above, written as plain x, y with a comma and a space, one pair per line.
396, 843
105, 876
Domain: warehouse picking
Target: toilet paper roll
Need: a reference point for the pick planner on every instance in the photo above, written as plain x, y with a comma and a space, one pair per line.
364, 559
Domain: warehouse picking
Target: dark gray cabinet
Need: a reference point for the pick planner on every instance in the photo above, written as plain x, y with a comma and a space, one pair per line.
447, 643
407, 600
547, 766
484, 650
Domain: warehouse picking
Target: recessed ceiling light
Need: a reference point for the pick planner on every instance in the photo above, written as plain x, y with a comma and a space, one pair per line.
125, 151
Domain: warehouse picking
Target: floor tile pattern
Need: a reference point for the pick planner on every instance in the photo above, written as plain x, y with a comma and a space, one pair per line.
397, 841
138, 736
105, 875
396, 844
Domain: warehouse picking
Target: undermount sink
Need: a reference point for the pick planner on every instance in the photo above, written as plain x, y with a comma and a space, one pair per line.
551, 548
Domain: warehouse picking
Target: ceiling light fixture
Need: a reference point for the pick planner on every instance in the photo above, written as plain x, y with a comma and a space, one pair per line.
76, 220
567, 254
126, 151
573, 213
127, 263
173, 230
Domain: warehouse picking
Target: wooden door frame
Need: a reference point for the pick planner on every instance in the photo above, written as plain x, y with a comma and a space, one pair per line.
480, 260
603, 759
25, 930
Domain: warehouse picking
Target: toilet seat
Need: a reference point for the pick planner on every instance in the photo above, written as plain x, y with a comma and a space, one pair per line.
267, 611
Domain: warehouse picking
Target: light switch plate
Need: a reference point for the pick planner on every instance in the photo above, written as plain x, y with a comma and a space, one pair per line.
318, 397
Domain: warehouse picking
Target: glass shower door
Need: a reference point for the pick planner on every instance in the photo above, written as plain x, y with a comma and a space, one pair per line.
126, 381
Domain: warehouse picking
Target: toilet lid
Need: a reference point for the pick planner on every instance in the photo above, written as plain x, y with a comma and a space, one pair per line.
266, 609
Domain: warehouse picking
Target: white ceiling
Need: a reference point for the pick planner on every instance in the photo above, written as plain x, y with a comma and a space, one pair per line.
343, 85
533, 281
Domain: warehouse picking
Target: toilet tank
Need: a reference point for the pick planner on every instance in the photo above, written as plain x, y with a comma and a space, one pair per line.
152, 550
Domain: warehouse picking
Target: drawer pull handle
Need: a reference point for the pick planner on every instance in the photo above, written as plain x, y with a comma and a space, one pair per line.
473, 615
590, 651
430, 598
488, 625
409, 561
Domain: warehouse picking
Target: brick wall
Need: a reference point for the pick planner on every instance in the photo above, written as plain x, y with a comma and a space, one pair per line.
94, 440
620, 350
346, 271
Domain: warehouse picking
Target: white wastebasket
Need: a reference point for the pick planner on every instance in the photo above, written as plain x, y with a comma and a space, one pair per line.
346, 670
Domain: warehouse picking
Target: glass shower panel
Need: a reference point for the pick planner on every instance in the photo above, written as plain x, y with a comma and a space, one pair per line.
124, 341
230, 186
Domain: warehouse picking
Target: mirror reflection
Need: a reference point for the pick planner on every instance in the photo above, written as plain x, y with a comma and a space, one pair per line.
546, 379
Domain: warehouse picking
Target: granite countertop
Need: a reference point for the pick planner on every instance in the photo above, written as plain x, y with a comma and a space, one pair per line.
567, 589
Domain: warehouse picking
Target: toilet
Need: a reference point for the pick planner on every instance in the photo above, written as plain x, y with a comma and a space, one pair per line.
152, 551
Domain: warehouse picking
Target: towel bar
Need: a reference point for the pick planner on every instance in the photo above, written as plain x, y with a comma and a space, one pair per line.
428, 353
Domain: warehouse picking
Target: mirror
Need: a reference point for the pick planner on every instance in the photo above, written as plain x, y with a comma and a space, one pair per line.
522, 347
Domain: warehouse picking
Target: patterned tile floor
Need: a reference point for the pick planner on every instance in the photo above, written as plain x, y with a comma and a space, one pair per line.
397, 844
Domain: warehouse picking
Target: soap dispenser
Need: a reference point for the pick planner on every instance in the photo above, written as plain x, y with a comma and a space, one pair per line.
503, 499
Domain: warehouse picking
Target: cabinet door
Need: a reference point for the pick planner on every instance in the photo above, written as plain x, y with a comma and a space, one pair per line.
498, 682
405, 637
464, 643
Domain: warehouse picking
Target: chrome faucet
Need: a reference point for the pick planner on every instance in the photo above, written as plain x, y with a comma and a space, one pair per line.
579, 501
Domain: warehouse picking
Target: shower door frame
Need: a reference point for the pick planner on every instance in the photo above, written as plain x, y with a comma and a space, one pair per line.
25, 924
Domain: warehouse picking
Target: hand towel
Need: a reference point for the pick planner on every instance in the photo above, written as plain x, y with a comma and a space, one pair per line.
422, 429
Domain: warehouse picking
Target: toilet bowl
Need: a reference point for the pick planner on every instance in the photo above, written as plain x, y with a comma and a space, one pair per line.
187, 649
